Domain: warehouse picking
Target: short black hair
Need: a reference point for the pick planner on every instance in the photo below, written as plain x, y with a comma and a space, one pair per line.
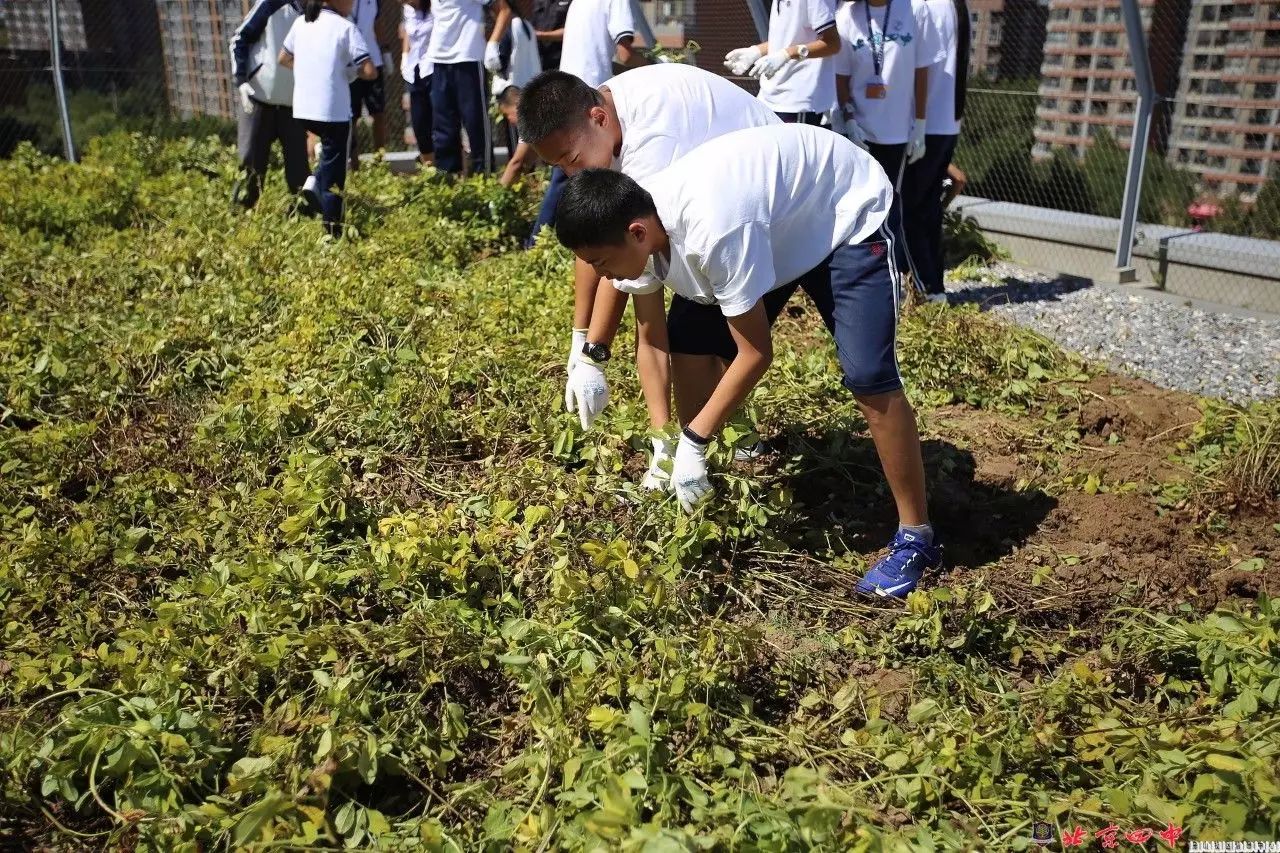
554, 101
597, 205
507, 95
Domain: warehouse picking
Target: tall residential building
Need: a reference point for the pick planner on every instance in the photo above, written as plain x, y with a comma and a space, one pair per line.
1087, 82
1007, 38
197, 60
26, 23
1226, 122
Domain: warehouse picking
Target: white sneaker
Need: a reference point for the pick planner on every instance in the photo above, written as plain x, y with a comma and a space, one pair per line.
309, 192
937, 298
755, 451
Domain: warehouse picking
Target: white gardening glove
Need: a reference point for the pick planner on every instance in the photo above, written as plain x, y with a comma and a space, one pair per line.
767, 66
689, 474
492, 61
246, 97
588, 391
658, 477
575, 350
916, 143
741, 59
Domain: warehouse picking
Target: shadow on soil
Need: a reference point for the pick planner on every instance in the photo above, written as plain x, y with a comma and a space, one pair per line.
1017, 290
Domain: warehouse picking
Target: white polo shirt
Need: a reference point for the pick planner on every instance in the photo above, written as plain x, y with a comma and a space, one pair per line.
592, 31
910, 42
941, 110
364, 14
326, 53
458, 34
756, 209
669, 109
418, 29
806, 85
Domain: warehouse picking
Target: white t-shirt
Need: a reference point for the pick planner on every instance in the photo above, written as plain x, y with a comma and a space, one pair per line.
364, 14
806, 85
669, 109
911, 42
458, 34
418, 28
525, 63
756, 209
592, 31
326, 53
941, 109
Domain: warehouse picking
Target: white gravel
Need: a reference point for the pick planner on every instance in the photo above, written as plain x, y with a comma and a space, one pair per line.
1171, 344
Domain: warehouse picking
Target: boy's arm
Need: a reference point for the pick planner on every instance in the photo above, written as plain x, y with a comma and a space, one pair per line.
754, 338
653, 355
516, 165
247, 35
606, 313
585, 285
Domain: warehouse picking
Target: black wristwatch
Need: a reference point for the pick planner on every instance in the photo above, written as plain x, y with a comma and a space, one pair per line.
699, 440
599, 353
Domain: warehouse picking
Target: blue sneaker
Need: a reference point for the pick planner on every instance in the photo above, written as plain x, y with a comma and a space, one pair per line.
898, 572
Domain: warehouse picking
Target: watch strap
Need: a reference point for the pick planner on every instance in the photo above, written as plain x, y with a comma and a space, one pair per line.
694, 437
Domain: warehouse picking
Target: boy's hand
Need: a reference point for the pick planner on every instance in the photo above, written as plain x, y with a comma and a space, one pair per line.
689, 474
588, 392
658, 477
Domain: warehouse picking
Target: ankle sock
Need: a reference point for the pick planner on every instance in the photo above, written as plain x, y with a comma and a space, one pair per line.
924, 531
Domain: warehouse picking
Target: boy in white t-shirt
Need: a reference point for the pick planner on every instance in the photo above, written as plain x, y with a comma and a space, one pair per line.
639, 123
593, 32
459, 55
735, 227
326, 52
794, 65
922, 199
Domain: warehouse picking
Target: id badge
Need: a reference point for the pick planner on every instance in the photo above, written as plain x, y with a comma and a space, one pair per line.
877, 90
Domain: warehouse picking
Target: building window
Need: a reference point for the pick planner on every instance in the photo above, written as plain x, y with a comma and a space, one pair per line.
1255, 142
1084, 39
1111, 16
1102, 84
1089, 16
1081, 62
1262, 91
1251, 167
1079, 84
1097, 108
1110, 39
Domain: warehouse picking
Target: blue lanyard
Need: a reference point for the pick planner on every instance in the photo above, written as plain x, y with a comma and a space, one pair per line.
877, 48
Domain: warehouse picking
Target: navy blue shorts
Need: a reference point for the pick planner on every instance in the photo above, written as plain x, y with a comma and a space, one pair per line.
855, 292
369, 95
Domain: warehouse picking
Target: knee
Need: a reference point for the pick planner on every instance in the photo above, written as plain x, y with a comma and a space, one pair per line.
869, 381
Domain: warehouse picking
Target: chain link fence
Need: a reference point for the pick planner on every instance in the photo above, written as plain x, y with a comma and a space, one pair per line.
1055, 96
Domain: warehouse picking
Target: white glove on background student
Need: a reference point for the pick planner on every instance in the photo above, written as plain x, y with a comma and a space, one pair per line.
588, 392
575, 350
916, 142
492, 61
658, 478
767, 66
843, 123
246, 97
689, 477
738, 61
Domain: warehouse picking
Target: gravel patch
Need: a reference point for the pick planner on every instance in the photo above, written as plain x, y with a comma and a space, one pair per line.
1172, 345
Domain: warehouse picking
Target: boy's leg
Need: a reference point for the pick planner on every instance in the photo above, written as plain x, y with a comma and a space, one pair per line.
293, 147
893, 159
253, 137
547, 210
922, 212
475, 117
420, 114
358, 88
446, 123
701, 347
863, 319
331, 174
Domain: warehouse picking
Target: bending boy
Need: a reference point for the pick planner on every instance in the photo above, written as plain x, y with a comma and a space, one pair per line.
735, 227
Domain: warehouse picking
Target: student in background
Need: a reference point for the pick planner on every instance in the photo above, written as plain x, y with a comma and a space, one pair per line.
882, 80
522, 157
415, 68
370, 95
459, 55
326, 52
266, 99
793, 66
922, 204
517, 52
548, 22
595, 31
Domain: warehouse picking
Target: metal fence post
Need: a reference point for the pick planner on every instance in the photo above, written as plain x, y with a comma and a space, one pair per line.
760, 17
60, 89
1125, 271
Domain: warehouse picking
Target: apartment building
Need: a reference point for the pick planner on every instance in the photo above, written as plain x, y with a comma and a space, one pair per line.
1087, 81
1226, 120
195, 35
1006, 38
26, 25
